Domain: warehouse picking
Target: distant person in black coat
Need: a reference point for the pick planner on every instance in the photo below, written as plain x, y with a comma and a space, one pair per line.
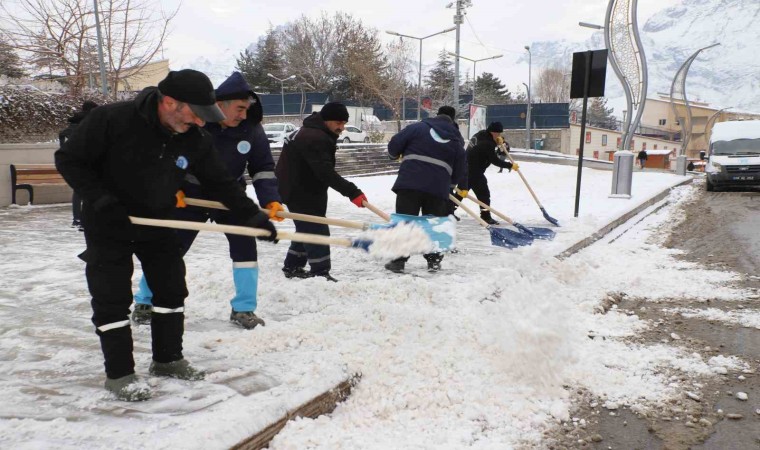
642, 158
63, 136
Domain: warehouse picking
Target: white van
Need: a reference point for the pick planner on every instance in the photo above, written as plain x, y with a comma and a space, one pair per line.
734, 158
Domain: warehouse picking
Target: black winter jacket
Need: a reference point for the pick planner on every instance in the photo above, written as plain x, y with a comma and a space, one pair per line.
433, 157
306, 167
121, 150
73, 123
481, 153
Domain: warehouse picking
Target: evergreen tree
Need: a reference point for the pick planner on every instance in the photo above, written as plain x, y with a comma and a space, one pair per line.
489, 90
599, 115
10, 64
440, 80
265, 58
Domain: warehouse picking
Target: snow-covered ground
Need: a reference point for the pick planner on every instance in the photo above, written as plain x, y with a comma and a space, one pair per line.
476, 356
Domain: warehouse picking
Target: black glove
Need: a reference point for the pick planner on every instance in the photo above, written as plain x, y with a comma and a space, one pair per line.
261, 220
111, 212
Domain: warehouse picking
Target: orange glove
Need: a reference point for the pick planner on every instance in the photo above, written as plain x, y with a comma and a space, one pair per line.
180, 199
274, 208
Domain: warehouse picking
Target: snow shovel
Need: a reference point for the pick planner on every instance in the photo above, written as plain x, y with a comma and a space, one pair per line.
540, 206
440, 230
536, 232
376, 210
501, 237
308, 238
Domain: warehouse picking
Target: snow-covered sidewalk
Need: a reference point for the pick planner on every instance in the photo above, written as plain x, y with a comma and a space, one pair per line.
475, 356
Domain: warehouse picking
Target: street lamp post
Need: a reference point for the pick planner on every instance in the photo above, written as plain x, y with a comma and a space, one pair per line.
527, 114
527, 120
474, 69
282, 88
419, 79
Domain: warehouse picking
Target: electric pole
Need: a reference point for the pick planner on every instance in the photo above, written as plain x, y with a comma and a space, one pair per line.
458, 20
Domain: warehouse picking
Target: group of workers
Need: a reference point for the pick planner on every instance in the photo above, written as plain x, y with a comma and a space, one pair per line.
132, 158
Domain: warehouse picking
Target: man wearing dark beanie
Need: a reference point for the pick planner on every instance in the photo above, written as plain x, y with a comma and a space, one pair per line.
432, 160
242, 145
129, 159
305, 170
482, 151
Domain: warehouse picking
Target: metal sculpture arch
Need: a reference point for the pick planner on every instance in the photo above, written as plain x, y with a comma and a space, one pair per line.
678, 88
621, 35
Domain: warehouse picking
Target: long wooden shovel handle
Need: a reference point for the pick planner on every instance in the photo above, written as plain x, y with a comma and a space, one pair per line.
519, 172
469, 211
488, 207
284, 214
244, 231
376, 210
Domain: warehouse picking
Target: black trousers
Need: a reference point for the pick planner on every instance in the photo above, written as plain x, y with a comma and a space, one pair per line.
415, 203
479, 185
318, 256
109, 278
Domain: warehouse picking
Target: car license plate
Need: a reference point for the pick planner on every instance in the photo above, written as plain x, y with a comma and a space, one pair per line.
743, 178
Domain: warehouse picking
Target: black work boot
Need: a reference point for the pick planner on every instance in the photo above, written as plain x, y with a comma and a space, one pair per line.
246, 319
295, 272
397, 265
128, 388
180, 369
486, 216
434, 262
325, 274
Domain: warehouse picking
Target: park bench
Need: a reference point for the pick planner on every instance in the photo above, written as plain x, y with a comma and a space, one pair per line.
26, 176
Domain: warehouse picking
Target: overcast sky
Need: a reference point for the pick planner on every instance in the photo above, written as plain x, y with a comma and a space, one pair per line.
220, 29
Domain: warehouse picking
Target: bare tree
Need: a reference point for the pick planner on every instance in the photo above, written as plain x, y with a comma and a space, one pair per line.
134, 32
387, 85
58, 36
309, 49
552, 85
52, 34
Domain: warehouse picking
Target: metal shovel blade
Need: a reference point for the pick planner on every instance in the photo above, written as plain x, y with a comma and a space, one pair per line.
536, 232
440, 230
551, 219
503, 237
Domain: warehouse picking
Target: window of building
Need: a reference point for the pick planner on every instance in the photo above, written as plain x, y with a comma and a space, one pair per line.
619, 142
643, 145
596, 154
604, 140
662, 121
588, 137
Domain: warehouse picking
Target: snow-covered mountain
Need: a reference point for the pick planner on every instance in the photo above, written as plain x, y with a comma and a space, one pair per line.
724, 76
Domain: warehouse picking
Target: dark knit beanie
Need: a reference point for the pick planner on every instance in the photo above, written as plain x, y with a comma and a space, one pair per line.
495, 127
448, 111
334, 111
88, 106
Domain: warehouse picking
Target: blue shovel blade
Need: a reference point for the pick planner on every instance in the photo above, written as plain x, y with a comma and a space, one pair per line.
440, 230
536, 232
504, 237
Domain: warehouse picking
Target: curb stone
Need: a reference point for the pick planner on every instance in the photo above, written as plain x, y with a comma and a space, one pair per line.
578, 246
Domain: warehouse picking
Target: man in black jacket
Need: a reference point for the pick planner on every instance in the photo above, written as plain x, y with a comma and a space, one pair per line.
76, 200
129, 159
481, 153
305, 170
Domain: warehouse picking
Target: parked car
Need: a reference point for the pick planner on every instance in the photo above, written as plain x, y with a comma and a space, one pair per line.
353, 134
276, 132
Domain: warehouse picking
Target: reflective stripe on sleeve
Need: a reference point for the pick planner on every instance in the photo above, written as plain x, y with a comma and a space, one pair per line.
263, 176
